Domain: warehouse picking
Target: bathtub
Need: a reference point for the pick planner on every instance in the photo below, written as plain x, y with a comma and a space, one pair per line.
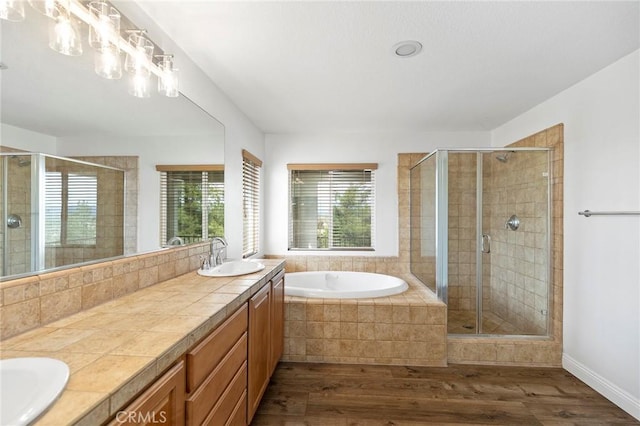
342, 285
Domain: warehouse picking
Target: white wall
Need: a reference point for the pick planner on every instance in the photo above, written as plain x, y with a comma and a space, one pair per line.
151, 150
601, 254
349, 148
27, 140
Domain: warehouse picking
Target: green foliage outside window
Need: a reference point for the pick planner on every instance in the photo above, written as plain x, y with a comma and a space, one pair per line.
352, 218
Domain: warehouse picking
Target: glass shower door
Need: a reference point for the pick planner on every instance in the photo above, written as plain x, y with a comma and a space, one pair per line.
515, 214
480, 237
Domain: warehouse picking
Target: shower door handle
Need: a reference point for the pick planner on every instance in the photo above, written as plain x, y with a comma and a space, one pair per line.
486, 243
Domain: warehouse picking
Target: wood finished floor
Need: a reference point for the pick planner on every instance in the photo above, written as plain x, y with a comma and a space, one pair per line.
346, 395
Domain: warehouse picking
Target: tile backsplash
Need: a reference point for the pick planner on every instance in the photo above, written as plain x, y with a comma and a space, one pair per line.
33, 301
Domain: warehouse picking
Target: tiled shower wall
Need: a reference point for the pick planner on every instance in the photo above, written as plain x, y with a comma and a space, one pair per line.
462, 232
19, 203
130, 166
517, 277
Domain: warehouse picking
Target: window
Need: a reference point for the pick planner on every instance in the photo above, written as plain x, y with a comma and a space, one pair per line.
71, 204
250, 204
331, 206
192, 202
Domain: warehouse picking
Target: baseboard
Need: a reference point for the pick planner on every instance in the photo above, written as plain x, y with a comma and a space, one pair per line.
613, 393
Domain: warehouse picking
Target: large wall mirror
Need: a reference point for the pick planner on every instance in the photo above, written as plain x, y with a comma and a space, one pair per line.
57, 105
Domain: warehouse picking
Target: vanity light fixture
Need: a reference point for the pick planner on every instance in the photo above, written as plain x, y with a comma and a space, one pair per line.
12, 10
407, 49
168, 83
104, 23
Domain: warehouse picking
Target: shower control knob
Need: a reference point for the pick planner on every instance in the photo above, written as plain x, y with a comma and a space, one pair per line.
513, 223
14, 221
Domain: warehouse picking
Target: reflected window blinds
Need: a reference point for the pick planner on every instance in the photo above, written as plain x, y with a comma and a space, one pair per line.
71, 204
192, 203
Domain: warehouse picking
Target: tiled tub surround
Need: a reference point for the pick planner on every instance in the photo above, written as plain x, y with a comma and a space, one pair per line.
404, 329
34, 301
117, 349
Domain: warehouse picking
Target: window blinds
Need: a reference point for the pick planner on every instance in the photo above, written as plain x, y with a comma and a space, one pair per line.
71, 204
250, 203
192, 203
331, 206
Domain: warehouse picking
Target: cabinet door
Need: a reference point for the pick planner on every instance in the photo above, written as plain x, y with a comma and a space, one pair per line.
277, 321
162, 403
259, 347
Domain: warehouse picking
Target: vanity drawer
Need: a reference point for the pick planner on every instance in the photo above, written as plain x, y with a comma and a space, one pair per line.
202, 359
217, 383
234, 399
239, 415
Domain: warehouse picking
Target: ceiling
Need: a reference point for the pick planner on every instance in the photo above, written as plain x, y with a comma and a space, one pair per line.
307, 66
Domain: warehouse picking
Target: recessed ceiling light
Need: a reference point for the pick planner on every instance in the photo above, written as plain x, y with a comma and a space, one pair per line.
407, 49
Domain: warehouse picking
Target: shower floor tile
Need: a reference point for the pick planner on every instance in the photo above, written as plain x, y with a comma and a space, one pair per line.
464, 322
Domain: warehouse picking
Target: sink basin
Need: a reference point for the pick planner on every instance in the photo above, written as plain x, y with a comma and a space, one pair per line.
28, 386
232, 269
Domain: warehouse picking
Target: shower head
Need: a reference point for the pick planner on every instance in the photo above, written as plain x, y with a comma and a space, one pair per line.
22, 162
503, 157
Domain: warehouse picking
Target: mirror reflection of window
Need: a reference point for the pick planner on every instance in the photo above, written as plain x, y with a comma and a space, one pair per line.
71, 204
192, 203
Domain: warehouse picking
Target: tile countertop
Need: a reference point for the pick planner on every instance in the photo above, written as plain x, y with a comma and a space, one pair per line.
116, 349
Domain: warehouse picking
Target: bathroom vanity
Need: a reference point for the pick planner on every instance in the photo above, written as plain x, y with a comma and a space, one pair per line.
188, 350
226, 372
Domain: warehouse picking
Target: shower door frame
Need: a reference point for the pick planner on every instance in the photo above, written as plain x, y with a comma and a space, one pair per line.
442, 229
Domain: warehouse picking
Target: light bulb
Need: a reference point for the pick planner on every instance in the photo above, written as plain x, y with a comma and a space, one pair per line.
168, 81
12, 10
138, 61
64, 36
168, 84
106, 27
139, 86
108, 63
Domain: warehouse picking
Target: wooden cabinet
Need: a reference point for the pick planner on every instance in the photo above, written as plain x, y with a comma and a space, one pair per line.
266, 339
277, 320
259, 349
162, 403
222, 379
217, 373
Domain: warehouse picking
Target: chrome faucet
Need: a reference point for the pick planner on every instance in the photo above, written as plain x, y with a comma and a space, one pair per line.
175, 241
218, 251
